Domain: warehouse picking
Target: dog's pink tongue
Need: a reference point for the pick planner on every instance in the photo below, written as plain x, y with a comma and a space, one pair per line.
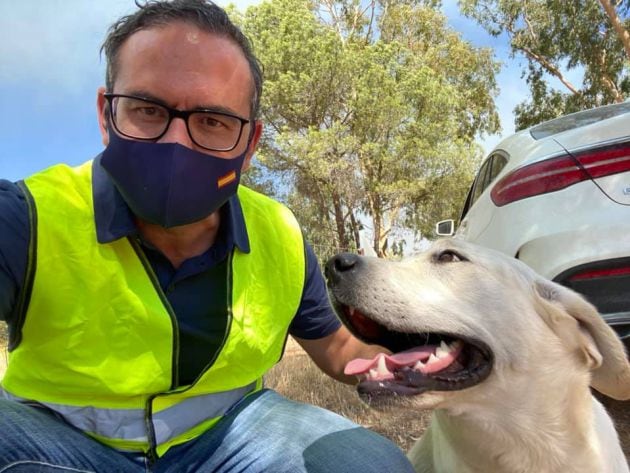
397, 360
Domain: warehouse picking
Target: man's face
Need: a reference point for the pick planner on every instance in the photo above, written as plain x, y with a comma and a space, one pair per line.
186, 68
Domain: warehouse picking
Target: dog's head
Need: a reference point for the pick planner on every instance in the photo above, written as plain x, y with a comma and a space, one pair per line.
460, 316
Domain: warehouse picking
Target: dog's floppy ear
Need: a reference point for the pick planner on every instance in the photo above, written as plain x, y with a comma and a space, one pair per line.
579, 325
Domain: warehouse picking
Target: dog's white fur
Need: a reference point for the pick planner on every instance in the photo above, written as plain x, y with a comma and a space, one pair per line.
535, 412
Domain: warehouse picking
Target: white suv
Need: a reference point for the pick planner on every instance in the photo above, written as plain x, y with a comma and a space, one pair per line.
557, 196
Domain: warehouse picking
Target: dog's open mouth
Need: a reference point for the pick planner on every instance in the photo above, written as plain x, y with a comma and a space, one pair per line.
420, 361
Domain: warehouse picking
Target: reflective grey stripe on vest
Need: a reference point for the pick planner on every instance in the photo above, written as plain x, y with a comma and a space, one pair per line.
129, 424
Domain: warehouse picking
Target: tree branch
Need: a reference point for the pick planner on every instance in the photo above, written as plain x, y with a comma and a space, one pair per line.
330, 4
607, 81
622, 33
549, 67
368, 34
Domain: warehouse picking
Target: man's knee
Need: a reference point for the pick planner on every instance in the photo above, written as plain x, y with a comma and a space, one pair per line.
323, 441
355, 450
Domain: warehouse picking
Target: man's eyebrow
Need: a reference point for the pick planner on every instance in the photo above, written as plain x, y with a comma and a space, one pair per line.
211, 108
218, 109
145, 95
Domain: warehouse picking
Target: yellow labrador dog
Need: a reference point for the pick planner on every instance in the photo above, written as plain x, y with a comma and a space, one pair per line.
504, 357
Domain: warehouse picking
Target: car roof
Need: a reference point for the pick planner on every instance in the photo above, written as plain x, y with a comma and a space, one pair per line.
578, 119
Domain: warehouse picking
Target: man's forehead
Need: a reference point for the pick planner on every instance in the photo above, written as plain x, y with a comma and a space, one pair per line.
180, 34
180, 56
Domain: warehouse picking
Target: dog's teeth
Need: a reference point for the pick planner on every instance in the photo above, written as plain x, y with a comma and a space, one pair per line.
381, 366
432, 359
443, 350
419, 365
373, 374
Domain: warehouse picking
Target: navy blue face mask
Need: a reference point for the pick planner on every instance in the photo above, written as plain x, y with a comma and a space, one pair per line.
169, 184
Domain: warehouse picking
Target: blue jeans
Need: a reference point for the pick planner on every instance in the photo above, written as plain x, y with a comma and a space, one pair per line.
264, 433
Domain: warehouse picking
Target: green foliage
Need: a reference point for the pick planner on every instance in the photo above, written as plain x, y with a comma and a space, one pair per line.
555, 35
370, 111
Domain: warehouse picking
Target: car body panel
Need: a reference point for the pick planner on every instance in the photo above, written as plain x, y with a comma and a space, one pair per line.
519, 222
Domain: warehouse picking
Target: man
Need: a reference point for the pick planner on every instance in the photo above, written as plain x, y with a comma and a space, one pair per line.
145, 298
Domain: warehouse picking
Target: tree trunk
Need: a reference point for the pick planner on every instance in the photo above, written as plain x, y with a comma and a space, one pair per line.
355, 229
340, 222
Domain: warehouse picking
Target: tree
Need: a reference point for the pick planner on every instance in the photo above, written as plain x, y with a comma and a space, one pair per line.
371, 112
557, 36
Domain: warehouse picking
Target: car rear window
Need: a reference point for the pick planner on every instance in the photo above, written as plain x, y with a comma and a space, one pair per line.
576, 120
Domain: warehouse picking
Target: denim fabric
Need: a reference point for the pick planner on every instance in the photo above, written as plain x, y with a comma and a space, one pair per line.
264, 433
34, 440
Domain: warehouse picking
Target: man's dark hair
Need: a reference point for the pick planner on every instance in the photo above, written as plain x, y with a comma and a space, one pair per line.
202, 13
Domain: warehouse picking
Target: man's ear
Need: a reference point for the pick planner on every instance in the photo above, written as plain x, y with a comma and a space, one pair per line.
253, 143
102, 109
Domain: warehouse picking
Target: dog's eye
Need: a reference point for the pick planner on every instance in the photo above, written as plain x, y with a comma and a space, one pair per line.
449, 256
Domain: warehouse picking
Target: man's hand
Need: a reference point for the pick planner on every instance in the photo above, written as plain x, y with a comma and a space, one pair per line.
333, 352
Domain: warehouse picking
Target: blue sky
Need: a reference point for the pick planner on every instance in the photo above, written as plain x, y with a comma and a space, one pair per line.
50, 70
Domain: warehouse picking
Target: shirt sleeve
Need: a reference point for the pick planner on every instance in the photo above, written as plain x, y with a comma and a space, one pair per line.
14, 237
315, 317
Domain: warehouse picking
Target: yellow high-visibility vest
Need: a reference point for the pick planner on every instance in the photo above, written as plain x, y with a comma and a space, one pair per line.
99, 341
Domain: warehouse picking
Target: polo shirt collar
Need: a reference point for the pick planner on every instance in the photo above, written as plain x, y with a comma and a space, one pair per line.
114, 219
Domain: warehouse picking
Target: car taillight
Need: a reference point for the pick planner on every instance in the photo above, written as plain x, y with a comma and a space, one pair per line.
605, 285
557, 173
590, 274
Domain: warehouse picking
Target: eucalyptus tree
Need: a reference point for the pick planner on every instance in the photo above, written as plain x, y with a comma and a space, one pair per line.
557, 36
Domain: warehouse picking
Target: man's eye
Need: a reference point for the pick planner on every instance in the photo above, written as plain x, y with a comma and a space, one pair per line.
215, 122
148, 111
210, 122
449, 256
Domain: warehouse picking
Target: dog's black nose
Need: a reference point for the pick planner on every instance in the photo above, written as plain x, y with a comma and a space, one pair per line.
339, 264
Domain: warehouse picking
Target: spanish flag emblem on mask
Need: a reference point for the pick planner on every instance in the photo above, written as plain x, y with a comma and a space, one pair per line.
226, 179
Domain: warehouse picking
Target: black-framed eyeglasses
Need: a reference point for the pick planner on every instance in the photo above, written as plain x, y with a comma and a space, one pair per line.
145, 119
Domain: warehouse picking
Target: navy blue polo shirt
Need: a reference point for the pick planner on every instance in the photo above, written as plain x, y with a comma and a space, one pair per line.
196, 290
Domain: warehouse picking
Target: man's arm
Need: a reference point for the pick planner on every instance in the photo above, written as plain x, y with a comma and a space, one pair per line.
332, 352
318, 330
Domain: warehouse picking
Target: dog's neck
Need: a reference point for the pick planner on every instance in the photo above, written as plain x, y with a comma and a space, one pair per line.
536, 436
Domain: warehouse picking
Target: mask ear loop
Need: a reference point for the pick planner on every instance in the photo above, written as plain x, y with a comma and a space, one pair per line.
109, 125
252, 129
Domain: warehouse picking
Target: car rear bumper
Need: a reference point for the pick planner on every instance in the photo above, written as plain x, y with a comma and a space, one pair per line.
595, 263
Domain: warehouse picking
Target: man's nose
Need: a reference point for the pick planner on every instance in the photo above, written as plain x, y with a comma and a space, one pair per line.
177, 132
